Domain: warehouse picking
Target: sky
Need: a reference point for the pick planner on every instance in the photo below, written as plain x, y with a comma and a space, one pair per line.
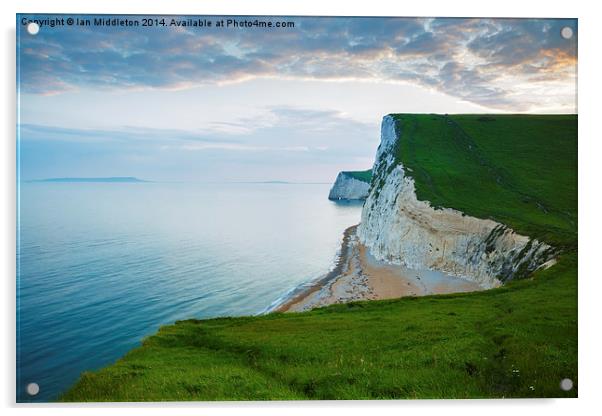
258, 104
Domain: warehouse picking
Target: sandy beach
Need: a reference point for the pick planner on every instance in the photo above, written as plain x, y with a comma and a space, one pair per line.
359, 276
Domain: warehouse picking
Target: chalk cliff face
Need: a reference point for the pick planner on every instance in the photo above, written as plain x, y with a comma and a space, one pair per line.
400, 229
348, 187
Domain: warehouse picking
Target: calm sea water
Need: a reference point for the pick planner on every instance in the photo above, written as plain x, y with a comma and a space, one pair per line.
100, 266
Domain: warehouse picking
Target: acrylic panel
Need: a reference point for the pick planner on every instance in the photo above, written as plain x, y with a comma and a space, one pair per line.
295, 208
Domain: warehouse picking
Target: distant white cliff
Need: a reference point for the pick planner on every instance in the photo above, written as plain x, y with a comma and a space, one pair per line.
400, 229
350, 186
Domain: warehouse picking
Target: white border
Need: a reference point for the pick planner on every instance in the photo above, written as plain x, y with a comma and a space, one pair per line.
589, 201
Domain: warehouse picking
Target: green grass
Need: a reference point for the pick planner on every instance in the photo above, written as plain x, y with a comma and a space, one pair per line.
520, 170
516, 341
363, 175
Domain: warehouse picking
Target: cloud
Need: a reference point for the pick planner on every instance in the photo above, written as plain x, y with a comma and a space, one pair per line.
293, 145
134, 135
471, 59
289, 129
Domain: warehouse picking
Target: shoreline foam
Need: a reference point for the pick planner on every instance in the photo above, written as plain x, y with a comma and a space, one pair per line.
357, 275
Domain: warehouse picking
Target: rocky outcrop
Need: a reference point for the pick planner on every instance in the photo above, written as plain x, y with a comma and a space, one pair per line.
400, 229
350, 186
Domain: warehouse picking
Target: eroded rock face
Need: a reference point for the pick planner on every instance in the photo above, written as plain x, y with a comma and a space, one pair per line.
400, 229
349, 188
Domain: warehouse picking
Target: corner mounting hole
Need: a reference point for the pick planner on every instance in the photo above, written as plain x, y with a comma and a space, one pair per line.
33, 389
33, 28
566, 384
566, 32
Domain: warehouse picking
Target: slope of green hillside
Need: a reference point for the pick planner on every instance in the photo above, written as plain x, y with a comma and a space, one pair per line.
516, 341
520, 170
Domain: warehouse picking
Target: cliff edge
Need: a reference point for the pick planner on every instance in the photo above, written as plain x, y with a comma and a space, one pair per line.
351, 186
399, 228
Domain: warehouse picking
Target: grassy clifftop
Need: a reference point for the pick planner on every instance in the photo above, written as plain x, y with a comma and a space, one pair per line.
520, 170
516, 341
362, 175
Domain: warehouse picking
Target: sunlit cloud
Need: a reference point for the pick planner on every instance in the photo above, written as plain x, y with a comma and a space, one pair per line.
471, 59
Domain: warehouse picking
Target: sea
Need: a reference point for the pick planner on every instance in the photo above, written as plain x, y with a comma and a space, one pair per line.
100, 266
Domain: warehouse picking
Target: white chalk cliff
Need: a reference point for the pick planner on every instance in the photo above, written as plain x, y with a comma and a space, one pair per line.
348, 187
400, 229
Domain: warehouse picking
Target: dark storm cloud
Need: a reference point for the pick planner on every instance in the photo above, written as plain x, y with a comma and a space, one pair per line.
465, 58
